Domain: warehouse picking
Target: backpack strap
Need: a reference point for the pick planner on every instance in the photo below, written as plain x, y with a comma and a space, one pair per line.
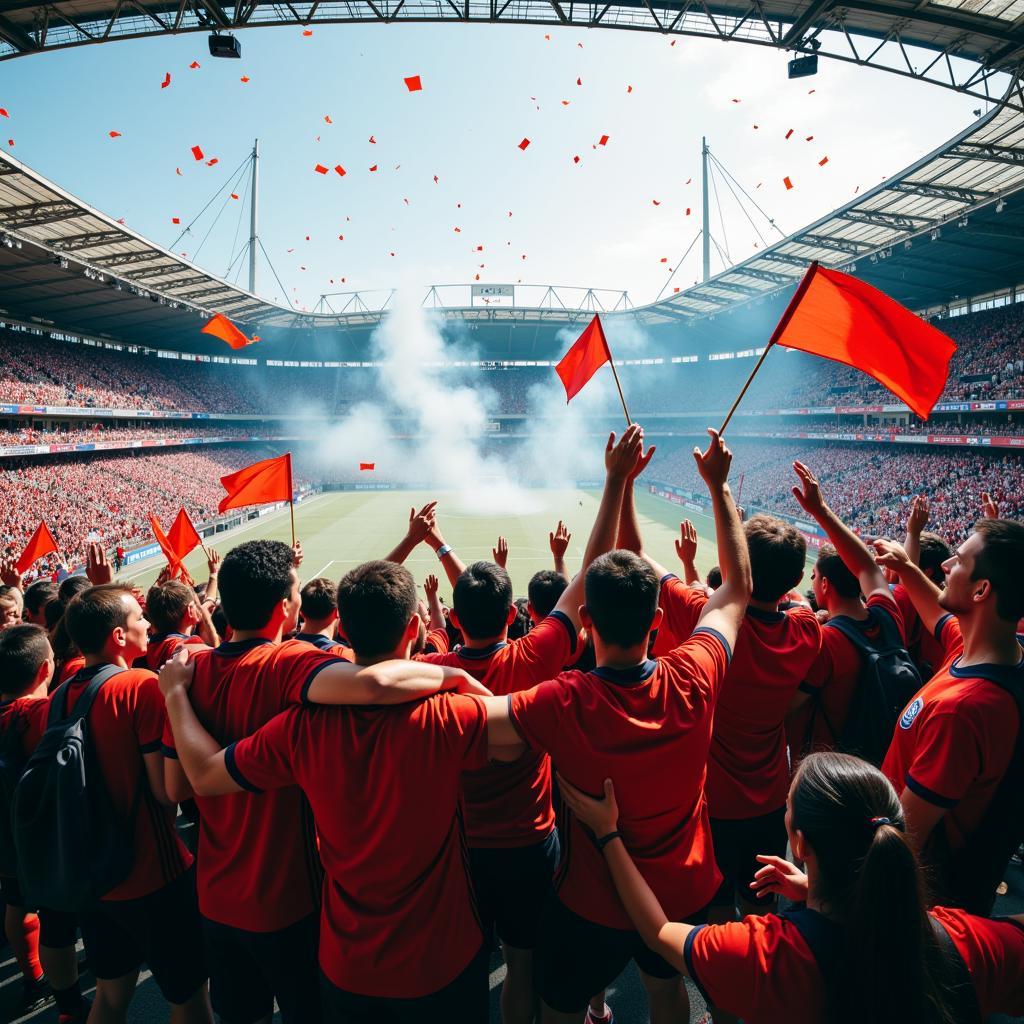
58, 705
889, 635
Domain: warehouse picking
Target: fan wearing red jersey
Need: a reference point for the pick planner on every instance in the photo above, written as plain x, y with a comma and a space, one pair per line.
652, 721
318, 612
47, 941
259, 875
957, 754
866, 948
151, 917
175, 614
399, 935
510, 823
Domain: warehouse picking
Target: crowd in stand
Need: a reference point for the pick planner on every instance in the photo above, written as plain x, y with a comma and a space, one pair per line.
75, 433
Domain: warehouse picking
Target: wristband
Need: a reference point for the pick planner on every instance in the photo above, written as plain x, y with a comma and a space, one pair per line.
443, 550
605, 840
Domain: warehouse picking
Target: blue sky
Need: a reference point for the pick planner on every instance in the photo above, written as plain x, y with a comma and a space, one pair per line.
594, 223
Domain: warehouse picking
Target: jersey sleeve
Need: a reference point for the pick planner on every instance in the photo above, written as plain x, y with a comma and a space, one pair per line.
437, 642
264, 760
537, 713
149, 714
701, 660
947, 759
948, 636
822, 668
465, 725
545, 650
886, 604
681, 606
296, 665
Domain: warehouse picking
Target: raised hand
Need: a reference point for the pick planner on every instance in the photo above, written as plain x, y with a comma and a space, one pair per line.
642, 459
808, 495
297, 554
422, 522
686, 546
620, 459
600, 816
713, 465
97, 568
9, 575
431, 586
989, 506
918, 518
890, 555
176, 673
500, 553
779, 878
559, 540
213, 560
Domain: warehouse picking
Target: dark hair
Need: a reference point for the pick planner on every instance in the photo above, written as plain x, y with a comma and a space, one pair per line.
544, 590
64, 648
376, 600
254, 578
94, 614
522, 622
482, 597
621, 592
53, 612
831, 567
39, 595
23, 649
870, 880
714, 577
1001, 562
319, 599
166, 603
777, 555
70, 586
934, 551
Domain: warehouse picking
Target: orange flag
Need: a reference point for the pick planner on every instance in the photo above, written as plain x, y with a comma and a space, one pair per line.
258, 484
183, 536
221, 327
839, 317
165, 546
587, 355
42, 543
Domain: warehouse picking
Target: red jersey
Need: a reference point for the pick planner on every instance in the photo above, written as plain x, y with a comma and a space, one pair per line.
325, 643
68, 669
924, 648
755, 968
681, 605
26, 715
832, 681
258, 868
954, 741
748, 771
399, 919
437, 642
126, 721
649, 729
509, 804
163, 647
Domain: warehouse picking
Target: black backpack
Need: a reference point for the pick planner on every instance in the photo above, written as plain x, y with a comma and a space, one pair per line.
12, 764
73, 845
888, 681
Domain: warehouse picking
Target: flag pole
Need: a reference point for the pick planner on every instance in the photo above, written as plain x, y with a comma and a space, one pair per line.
779, 328
622, 398
291, 497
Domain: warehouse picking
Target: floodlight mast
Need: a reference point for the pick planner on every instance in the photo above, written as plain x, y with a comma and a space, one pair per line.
705, 232
254, 215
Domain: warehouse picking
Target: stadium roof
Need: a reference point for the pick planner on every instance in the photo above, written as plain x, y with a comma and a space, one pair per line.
951, 225
967, 43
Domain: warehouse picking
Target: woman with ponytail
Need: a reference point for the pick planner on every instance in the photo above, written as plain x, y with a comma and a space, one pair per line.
865, 948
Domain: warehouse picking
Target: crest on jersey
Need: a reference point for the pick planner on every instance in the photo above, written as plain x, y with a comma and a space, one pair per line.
908, 716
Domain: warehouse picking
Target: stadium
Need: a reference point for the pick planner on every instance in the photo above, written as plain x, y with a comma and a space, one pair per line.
117, 409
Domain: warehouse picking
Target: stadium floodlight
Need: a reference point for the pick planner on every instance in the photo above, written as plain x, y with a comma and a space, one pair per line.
803, 67
225, 46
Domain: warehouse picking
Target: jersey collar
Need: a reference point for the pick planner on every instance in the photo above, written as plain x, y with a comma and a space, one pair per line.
233, 648
481, 653
1005, 675
763, 616
626, 676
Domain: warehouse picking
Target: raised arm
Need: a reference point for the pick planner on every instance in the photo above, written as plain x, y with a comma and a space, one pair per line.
453, 566
434, 609
916, 522
923, 593
213, 565
686, 550
420, 524
727, 605
559, 542
851, 549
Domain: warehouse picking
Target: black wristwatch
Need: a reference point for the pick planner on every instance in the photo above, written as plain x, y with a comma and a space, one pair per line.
605, 840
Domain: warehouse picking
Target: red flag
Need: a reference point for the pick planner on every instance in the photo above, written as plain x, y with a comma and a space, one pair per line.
42, 543
367, 466
182, 535
258, 484
587, 355
838, 317
165, 546
221, 327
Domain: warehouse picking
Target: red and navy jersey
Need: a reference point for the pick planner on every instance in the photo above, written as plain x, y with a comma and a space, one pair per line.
955, 739
832, 680
761, 968
399, 918
924, 648
648, 728
163, 647
126, 721
509, 804
27, 716
258, 868
325, 643
681, 606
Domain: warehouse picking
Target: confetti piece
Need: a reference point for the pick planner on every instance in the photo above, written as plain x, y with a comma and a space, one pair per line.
392, 254
10, 142
579, 81
687, 211
339, 171
736, 101
194, 65
234, 195
307, 238
524, 144
789, 133
327, 118
167, 80
177, 171
565, 103
476, 277
823, 161
406, 201
307, 32
373, 141
175, 220
548, 38
413, 83
688, 180
575, 159
435, 179
603, 141
458, 231
810, 138
210, 163
812, 91
629, 88
675, 291
114, 135
320, 169
656, 202
756, 126
244, 79
341, 238
197, 152
374, 167
787, 183
3, 112
664, 259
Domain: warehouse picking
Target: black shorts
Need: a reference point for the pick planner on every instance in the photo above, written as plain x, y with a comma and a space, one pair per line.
577, 958
162, 930
462, 1001
57, 930
248, 970
511, 886
737, 844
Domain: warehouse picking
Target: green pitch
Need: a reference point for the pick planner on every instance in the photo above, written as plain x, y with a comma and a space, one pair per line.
340, 530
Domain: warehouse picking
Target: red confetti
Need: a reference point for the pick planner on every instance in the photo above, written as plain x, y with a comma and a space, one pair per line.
823, 161
735, 101
575, 159
327, 118
787, 183
374, 167
195, 64
629, 88
789, 133
339, 170
177, 171
688, 180
810, 138
812, 91
524, 144
167, 80
673, 43
320, 169
579, 81
373, 141
476, 276
565, 103
664, 259
210, 163
10, 142
687, 211
435, 179
458, 231
756, 126
244, 79
603, 141
114, 135
413, 83
656, 202
197, 152
3, 112
392, 254
341, 238
234, 195
307, 32
175, 220
548, 38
